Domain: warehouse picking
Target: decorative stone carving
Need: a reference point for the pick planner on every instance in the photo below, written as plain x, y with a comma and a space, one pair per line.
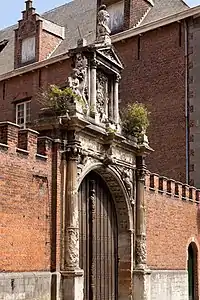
128, 182
141, 174
141, 252
102, 96
103, 30
72, 249
78, 78
73, 151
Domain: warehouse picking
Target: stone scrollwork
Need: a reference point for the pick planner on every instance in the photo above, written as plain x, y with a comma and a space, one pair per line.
78, 78
141, 252
72, 248
73, 151
102, 96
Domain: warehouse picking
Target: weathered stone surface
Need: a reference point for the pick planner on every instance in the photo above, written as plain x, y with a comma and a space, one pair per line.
26, 286
169, 285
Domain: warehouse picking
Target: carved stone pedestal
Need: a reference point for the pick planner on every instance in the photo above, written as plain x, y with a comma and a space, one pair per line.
72, 285
141, 283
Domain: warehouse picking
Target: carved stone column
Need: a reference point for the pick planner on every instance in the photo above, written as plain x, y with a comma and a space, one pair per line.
116, 100
141, 273
72, 275
93, 87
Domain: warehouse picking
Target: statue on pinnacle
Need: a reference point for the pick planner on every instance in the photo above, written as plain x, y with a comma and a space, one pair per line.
103, 30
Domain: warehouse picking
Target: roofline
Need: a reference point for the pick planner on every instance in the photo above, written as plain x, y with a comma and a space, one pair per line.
159, 23
34, 66
195, 11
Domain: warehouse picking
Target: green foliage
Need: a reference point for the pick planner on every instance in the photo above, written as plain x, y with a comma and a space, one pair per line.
111, 130
135, 119
58, 100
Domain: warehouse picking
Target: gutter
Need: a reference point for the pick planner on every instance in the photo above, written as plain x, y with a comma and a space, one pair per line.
191, 12
186, 103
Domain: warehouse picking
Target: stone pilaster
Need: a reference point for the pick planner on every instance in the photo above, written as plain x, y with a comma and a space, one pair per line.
93, 87
116, 100
141, 278
72, 275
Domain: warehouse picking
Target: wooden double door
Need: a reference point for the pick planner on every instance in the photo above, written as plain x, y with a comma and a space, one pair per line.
98, 239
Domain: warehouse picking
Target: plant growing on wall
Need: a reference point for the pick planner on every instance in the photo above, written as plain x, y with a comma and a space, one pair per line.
135, 119
58, 100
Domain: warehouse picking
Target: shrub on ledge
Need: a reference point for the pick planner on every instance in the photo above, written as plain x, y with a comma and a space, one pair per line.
58, 100
135, 119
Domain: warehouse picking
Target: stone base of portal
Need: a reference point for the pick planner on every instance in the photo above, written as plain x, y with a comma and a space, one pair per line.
72, 284
141, 284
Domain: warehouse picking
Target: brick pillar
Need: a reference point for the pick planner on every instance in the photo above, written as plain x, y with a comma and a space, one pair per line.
72, 275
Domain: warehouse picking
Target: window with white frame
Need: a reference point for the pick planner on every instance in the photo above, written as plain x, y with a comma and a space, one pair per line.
23, 113
28, 49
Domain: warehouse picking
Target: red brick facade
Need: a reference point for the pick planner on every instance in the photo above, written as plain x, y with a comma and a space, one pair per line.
26, 201
172, 222
154, 74
134, 11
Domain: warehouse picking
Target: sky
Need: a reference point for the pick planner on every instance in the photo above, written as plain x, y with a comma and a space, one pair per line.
10, 11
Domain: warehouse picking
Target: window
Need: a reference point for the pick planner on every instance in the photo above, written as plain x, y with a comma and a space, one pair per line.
23, 113
28, 49
116, 12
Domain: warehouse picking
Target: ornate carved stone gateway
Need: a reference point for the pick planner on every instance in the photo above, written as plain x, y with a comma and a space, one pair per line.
103, 183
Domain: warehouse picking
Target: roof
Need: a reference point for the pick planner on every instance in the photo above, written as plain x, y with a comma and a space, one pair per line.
163, 9
79, 19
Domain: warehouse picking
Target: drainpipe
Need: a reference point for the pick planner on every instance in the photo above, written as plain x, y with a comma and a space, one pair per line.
186, 101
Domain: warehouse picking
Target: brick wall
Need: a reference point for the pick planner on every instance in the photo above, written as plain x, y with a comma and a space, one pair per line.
173, 222
134, 11
26, 202
48, 43
154, 74
27, 86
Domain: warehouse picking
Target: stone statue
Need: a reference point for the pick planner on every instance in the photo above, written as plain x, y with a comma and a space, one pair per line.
78, 79
103, 18
128, 183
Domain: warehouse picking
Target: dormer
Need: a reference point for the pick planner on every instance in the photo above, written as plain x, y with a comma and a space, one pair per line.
125, 14
35, 37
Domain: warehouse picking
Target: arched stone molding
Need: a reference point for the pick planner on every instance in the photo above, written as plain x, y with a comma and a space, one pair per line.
192, 268
192, 240
125, 222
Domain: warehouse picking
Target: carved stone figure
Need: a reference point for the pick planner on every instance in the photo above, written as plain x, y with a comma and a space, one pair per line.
78, 79
102, 96
128, 183
103, 18
72, 249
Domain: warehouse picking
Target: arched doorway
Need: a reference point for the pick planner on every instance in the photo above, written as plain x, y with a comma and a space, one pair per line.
98, 239
192, 272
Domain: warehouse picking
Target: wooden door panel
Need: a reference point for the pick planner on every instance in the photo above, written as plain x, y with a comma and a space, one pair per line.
98, 239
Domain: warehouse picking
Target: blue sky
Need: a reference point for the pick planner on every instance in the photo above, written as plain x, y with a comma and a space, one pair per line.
10, 13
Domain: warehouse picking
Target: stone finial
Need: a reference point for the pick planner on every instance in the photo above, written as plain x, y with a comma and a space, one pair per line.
29, 4
103, 30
